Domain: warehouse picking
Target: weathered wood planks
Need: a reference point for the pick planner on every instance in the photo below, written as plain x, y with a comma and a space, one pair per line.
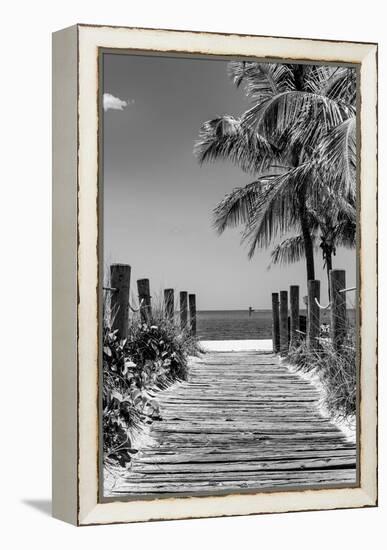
241, 421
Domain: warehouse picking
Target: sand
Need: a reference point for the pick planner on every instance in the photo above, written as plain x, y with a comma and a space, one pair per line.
237, 345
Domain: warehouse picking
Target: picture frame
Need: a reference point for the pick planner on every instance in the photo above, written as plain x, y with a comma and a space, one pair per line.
77, 283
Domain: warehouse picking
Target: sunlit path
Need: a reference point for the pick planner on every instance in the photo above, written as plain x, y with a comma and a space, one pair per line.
241, 421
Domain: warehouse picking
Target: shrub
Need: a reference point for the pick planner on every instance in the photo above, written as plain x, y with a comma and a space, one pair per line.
152, 357
160, 344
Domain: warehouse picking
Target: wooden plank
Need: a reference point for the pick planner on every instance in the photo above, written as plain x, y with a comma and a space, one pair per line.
244, 466
228, 482
230, 456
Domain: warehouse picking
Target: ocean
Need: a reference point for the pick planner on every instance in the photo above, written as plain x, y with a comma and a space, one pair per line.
234, 325
238, 325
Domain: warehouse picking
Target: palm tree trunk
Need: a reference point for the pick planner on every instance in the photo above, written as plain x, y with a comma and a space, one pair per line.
308, 243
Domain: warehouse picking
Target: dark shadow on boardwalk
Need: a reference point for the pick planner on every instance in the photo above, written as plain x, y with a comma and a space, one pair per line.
241, 421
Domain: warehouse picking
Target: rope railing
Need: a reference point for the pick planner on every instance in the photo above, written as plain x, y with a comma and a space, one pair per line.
135, 310
322, 307
121, 305
348, 289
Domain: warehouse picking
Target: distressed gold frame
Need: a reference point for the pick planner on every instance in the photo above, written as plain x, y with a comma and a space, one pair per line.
76, 240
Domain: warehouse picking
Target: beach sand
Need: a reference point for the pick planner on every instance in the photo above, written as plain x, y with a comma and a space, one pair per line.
236, 345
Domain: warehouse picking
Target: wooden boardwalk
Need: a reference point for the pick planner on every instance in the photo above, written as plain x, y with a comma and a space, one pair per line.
241, 421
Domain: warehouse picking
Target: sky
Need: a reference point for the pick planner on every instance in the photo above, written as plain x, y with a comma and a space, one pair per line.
158, 201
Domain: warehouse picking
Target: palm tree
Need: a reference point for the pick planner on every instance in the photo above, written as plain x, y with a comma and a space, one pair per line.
329, 229
301, 118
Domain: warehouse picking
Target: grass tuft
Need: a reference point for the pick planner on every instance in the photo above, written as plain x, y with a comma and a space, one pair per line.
335, 370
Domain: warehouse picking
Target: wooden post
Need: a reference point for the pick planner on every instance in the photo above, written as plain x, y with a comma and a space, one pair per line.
192, 312
294, 314
338, 307
275, 322
284, 335
183, 309
303, 322
119, 299
144, 299
313, 319
169, 303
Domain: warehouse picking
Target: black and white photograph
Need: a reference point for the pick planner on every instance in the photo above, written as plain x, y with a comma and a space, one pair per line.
229, 275
193, 231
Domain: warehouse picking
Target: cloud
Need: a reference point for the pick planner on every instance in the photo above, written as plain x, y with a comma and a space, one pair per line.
115, 103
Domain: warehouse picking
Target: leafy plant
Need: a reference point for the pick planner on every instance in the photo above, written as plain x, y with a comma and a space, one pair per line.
152, 357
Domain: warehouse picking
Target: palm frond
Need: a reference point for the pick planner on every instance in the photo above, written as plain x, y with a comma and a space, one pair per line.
295, 117
342, 86
345, 208
347, 236
289, 251
224, 138
261, 80
337, 158
337, 83
345, 230
276, 209
238, 206
317, 76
